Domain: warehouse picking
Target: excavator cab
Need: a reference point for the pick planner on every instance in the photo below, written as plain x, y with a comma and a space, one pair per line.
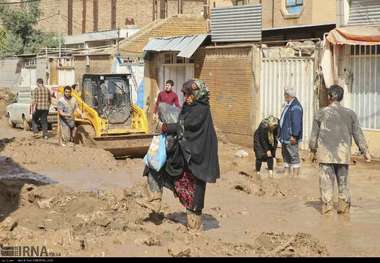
110, 96
110, 120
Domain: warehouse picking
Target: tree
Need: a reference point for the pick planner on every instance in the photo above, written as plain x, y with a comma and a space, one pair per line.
19, 34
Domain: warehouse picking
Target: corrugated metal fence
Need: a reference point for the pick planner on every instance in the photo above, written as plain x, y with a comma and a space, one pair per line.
277, 73
236, 24
364, 12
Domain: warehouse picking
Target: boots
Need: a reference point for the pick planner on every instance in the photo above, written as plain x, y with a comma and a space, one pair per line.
327, 208
343, 206
152, 201
194, 221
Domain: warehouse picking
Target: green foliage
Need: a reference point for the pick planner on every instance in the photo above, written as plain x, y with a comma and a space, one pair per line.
19, 35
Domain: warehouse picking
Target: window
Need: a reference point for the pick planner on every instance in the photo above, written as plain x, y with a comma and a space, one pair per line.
294, 7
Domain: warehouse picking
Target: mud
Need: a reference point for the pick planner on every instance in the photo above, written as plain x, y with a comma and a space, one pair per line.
79, 223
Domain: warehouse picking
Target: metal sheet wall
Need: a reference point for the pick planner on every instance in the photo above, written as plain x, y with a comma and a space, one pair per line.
276, 74
364, 12
235, 24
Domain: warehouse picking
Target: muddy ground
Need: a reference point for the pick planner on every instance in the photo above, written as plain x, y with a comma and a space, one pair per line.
78, 201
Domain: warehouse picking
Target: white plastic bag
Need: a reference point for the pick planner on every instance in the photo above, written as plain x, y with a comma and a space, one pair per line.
156, 155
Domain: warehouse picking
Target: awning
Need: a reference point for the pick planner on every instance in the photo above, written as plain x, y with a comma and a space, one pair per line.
336, 38
185, 45
355, 35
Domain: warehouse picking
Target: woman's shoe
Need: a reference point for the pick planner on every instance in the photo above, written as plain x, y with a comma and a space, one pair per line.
194, 221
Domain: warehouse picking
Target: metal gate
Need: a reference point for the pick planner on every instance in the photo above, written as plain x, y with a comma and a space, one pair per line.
278, 73
364, 67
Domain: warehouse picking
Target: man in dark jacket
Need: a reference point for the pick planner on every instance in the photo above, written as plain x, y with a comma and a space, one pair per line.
290, 132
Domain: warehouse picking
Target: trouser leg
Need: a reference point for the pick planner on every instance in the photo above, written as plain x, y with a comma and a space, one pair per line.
326, 182
344, 196
154, 182
154, 189
342, 180
270, 163
258, 165
35, 120
44, 122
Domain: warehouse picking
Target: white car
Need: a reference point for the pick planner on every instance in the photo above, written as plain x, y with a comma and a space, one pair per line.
19, 114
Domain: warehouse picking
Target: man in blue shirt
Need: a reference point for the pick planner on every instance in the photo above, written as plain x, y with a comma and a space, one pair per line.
290, 132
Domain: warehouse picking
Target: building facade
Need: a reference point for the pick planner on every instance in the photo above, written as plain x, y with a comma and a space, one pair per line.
72, 17
286, 13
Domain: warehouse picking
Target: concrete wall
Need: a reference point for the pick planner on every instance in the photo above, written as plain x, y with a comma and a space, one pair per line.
10, 72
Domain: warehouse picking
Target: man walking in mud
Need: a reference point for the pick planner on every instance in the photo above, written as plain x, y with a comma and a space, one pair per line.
331, 138
40, 105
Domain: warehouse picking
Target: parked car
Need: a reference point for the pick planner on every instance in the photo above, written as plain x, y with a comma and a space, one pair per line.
19, 114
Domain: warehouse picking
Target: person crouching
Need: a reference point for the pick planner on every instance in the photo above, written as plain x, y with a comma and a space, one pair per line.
265, 143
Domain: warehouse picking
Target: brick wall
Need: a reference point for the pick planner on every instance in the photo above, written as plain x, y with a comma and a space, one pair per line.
172, 8
140, 10
50, 20
228, 74
193, 7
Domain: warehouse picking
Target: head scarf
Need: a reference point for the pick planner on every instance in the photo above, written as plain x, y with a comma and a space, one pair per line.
198, 89
271, 122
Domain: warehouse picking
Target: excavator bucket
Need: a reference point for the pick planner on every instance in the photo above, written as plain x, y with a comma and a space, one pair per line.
135, 145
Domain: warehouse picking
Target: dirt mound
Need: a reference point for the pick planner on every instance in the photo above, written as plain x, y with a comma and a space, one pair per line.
69, 221
285, 245
6, 97
37, 154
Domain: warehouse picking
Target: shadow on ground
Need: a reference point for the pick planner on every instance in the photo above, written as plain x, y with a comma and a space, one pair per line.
13, 177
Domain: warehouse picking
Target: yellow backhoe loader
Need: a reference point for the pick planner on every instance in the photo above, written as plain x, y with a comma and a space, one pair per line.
110, 120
